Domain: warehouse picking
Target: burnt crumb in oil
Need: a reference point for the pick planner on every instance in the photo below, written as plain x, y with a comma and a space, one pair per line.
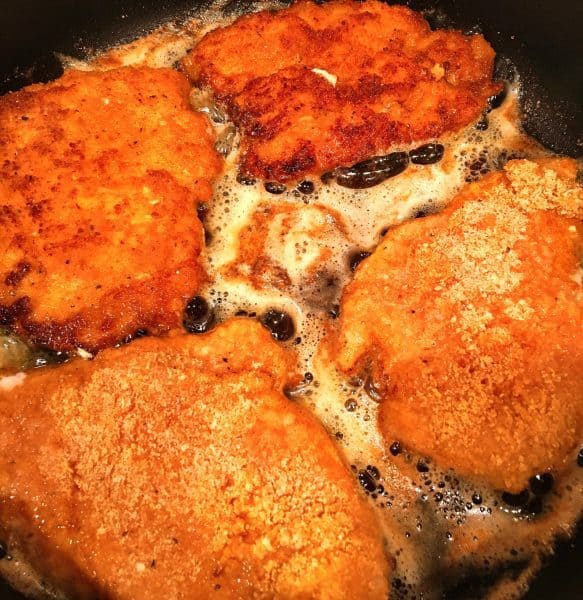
478, 165
400, 589
279, 323
3, 550
202, 213
322, 290
198, 316
580, 458
477, 168
420, 213
208, 236
273, 187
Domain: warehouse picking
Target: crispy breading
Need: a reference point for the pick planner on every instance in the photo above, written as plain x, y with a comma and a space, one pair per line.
99, 180
317, 86
471, 324
174, 468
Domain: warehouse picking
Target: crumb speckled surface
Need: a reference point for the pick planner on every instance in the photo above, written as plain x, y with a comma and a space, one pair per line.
316, 86
176, 468
100, 176
471, 322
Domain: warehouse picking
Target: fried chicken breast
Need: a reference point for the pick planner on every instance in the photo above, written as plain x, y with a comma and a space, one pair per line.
317, 86
470, 323
99, 180
176, 468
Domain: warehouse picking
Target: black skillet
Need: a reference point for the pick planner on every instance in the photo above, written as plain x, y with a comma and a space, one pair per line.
541, 39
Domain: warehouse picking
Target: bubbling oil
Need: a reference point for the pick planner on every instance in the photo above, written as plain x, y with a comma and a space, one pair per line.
446, 535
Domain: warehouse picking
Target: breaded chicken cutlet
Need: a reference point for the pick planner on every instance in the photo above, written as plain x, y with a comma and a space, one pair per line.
317, 86
99, 180
470, 323
176, 468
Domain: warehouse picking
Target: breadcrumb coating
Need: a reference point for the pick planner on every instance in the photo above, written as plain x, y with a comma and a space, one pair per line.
316, 86
471, 322
175, 468
99, 180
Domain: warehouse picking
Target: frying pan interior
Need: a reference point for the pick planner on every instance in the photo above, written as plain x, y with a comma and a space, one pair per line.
540, 40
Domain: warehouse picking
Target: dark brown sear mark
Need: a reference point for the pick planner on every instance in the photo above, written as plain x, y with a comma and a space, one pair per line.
18, 274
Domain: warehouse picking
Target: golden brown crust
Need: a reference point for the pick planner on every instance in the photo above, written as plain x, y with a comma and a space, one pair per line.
472, 320
394, 81
176, 468
98, 187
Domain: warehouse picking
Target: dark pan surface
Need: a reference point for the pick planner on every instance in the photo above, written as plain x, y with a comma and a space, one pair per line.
542, 40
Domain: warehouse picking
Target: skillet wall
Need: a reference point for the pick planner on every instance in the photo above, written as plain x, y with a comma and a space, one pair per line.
541, 38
